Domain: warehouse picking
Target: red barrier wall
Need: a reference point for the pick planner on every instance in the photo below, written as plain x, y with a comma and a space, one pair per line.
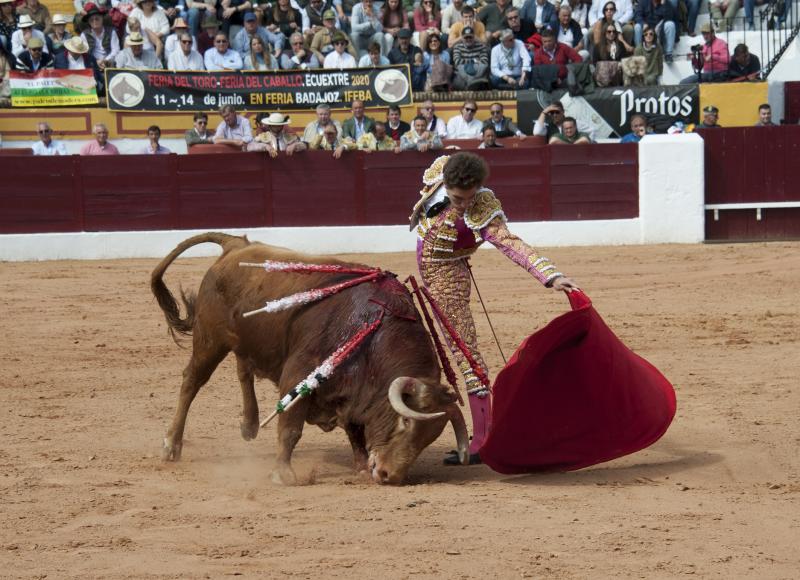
132, 192
749, 165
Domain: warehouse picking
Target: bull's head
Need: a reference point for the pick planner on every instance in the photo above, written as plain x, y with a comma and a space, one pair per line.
422, 412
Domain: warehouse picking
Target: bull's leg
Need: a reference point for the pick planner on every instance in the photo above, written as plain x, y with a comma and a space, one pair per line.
290, 429
203, 363
290, 423
359, 444
249, 424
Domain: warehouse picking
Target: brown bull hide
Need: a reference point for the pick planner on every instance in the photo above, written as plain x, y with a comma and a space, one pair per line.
286, 346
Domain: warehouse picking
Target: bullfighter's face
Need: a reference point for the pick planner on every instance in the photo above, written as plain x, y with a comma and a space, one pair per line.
461, 199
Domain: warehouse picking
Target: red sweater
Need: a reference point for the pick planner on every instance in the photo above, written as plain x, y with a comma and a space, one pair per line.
563, 54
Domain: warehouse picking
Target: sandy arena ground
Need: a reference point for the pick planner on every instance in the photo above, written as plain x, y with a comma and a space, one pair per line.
89, 382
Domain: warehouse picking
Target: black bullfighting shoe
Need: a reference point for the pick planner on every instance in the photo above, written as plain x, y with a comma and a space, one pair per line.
452, 459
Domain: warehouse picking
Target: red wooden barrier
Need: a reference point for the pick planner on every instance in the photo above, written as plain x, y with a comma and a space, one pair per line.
146, 192
752, 165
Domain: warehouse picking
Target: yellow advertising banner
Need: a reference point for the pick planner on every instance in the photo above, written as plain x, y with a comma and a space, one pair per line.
737, 102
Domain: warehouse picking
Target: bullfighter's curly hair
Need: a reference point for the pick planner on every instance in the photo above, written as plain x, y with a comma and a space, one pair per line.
465, 171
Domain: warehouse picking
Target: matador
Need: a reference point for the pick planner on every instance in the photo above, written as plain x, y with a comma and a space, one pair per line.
453, 217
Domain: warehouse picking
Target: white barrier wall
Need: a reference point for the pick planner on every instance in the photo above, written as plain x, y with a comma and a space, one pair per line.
671, 198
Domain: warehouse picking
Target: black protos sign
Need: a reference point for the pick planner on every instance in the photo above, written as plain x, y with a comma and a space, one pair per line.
609, 111
154, 91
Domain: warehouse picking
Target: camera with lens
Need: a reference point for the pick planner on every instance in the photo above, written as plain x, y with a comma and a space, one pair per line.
698, 60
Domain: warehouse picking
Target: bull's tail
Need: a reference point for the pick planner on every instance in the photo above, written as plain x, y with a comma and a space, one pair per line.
166, 300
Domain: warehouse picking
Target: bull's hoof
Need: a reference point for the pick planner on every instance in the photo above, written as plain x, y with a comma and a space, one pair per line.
171, 451
284, 476
249, 430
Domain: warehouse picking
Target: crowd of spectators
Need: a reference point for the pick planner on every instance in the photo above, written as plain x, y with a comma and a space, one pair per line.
448, 44
272, 135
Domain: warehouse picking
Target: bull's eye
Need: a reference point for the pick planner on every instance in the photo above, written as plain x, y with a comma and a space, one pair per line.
406, 422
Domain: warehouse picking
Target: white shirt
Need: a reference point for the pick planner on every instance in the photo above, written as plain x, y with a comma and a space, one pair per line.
55, 148
179, 61
240, 131
440, 128
98, 52
172, 44
340, 61
231, 60
157, 23
18, 46
75, 63
458, 128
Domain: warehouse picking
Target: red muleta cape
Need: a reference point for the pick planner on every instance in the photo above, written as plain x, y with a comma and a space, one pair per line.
574, 395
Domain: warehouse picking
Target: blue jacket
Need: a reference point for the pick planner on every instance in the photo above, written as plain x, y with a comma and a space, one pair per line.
549, 14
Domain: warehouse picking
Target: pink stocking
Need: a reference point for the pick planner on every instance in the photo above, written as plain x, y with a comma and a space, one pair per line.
481, 409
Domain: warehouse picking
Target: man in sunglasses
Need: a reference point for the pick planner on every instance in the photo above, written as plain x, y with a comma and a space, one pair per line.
465, 125
46, 145
199, 134
222, 56
186, 57
34, 58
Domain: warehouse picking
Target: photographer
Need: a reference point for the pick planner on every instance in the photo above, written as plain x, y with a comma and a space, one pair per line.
709, 60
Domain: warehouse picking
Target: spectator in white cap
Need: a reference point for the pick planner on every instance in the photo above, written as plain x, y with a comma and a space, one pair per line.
56, 39
26, 31
136, 56
34, 58
103, 41
186, 57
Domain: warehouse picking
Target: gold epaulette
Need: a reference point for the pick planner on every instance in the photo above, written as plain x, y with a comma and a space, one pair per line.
484, 209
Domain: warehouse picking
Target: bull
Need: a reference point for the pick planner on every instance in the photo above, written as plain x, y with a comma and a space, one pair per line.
388, 396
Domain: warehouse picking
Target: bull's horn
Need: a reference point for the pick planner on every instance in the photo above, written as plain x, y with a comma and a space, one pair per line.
401, 386
460, 427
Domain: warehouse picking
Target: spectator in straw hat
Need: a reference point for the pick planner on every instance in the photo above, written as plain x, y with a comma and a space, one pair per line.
277, 138
136, 56
103, 41
57, 37
172, 42
25, 31
39, 13
340, 58
78, 57
34, 58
